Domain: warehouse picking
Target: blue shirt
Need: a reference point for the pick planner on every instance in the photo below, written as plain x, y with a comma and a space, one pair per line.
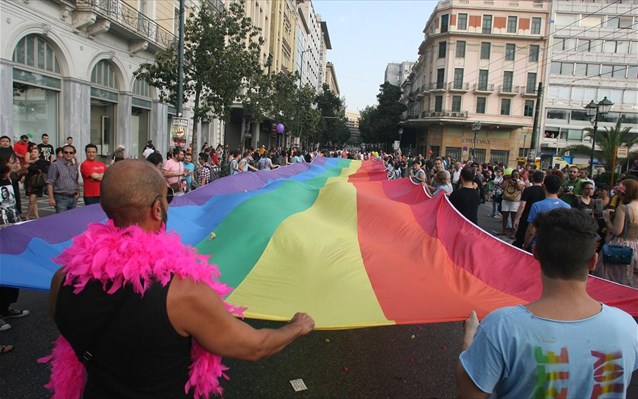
191, 168
545, 205
518, 355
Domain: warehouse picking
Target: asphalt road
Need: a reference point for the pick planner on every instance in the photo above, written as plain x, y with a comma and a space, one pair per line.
415, 361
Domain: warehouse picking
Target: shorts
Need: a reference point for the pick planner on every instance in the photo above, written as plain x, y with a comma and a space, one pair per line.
510, 206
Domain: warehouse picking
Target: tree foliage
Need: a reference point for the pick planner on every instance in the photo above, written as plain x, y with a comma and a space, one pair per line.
380, 124
221, 60
332, 127
607, 141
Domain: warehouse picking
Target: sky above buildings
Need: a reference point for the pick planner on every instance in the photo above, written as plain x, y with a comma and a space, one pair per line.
366, 35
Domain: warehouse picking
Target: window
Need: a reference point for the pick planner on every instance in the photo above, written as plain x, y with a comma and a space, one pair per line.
458, 78
510, 51
580, 70
456, 103
512, 24
440, 78
508, 78
176, 21
460, 49
625, 22
606, 70
567, 68
609, 46
438, 103
583, 45
595, 46
536, 26
483, 75
569, 44
555, 68
487, 24
461, 23
534, 51
578, 115
506, 104
593, 69
500, 156
556, 114
622, 47
445, 20
531, 83
619, 71
485, 50
613, 22
529, 108
632, 72
442, 49
481, 102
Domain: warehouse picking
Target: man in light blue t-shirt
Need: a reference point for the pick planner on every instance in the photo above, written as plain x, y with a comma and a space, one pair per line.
566, 344
551, 185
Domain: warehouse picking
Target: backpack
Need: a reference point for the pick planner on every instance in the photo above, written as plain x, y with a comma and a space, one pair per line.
510, 192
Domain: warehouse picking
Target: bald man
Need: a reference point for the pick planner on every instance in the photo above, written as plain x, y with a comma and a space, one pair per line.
142, 346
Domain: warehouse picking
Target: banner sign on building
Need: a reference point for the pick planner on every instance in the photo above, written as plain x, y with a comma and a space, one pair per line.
179, 130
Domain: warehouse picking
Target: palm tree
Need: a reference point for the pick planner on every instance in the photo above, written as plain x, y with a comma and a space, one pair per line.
606, 142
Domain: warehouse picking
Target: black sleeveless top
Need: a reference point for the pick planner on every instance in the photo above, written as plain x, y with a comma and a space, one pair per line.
140, 355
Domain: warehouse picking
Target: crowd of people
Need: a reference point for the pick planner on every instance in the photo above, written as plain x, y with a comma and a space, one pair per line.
175, 319
518, 195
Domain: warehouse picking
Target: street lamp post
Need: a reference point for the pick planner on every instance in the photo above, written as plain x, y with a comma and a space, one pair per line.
476, 126
596, 112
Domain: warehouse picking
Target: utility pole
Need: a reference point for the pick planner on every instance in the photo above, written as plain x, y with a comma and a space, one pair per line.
180, 61
539, 95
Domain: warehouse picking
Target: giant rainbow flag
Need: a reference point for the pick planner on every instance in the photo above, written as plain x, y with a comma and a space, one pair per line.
333, 238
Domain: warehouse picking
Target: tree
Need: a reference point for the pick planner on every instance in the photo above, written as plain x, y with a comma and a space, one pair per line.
607, 141
380, 124
332, 127
221, 58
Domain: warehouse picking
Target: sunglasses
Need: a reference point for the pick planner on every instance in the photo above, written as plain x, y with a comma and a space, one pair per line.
169, 196
69, 152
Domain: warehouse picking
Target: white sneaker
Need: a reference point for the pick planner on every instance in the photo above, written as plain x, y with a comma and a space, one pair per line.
4, 326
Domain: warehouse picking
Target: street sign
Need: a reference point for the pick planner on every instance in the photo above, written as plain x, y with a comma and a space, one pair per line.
622, 152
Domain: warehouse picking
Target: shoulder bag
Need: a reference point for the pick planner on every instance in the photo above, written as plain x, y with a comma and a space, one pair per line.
619, 254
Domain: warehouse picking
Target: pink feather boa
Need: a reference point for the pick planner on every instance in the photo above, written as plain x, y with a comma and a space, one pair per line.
133, 256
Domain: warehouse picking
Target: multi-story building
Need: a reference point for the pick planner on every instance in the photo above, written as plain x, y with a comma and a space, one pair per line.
331, 79
480, 61
593, 53
68, 66
352, 121
397, 73
310, 59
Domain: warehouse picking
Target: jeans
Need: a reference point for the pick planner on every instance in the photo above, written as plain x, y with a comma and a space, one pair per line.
91, 200
64, 203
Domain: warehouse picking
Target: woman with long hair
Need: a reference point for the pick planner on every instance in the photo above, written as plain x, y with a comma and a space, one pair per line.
35, 182
624, 228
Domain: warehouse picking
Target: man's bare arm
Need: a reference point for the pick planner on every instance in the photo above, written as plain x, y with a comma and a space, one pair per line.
195, 310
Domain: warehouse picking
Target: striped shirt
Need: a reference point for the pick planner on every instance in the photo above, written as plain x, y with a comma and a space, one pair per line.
63, 177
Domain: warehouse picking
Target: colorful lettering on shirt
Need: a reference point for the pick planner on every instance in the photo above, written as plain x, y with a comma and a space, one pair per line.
608, 373
546, 381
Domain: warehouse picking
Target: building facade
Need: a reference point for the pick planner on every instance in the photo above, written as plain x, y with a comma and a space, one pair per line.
331, 79
593, 54
352, 121
397, 73
480, 61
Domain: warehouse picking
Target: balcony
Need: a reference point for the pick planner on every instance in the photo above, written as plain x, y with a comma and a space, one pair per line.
528, 91
99, 16
444, 114
508, 90
483, 88
458, 86
436, 86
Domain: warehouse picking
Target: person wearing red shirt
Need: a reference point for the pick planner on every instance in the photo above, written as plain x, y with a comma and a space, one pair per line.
21, 147
92, 172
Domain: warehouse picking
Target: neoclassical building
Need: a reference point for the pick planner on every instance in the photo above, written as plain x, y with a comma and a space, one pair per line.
480, 61
68, 68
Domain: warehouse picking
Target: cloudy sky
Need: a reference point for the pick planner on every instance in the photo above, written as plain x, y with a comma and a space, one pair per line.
366, 35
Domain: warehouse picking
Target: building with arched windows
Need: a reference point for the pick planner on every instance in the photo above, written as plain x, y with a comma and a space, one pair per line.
69, 69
